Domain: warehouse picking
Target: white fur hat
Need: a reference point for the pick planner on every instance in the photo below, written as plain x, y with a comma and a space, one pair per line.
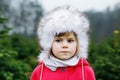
63, 19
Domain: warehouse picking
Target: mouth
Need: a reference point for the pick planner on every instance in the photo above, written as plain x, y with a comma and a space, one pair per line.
64, 51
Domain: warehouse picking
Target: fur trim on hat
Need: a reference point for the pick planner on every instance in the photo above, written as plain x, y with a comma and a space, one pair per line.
63, 19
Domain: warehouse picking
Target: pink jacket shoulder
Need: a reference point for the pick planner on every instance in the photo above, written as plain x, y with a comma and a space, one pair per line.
82, 71
36, 73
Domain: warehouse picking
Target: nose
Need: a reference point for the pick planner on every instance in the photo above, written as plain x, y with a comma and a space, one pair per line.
65, 44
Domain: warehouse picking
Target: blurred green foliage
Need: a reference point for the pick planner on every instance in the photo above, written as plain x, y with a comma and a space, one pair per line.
17, 55
105, 59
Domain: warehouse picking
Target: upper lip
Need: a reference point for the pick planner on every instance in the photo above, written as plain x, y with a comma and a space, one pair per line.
64, 51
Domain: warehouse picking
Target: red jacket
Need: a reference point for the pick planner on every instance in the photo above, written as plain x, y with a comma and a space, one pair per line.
41, 72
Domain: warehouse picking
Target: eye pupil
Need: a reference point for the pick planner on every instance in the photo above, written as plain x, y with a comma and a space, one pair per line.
70, 40
58, 40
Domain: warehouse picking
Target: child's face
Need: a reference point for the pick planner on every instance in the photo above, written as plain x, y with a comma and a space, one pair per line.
64, 46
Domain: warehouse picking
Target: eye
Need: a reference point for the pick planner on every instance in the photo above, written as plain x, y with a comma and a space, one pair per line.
58, 40
71, 40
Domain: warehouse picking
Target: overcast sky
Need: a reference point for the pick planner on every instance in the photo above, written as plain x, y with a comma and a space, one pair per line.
82, 5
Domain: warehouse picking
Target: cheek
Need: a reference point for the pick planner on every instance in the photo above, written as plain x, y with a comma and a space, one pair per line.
74, 47
77, 49
54, 48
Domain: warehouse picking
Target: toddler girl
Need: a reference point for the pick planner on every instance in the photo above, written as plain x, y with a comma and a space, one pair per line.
64, 41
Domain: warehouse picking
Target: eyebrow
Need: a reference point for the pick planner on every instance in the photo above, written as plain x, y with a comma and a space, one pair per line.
71, 38
58, 38
68, 38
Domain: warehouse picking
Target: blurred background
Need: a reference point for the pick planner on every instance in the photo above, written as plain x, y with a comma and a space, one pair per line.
18, 41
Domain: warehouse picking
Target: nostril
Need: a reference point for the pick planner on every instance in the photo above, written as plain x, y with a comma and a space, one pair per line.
65, 46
